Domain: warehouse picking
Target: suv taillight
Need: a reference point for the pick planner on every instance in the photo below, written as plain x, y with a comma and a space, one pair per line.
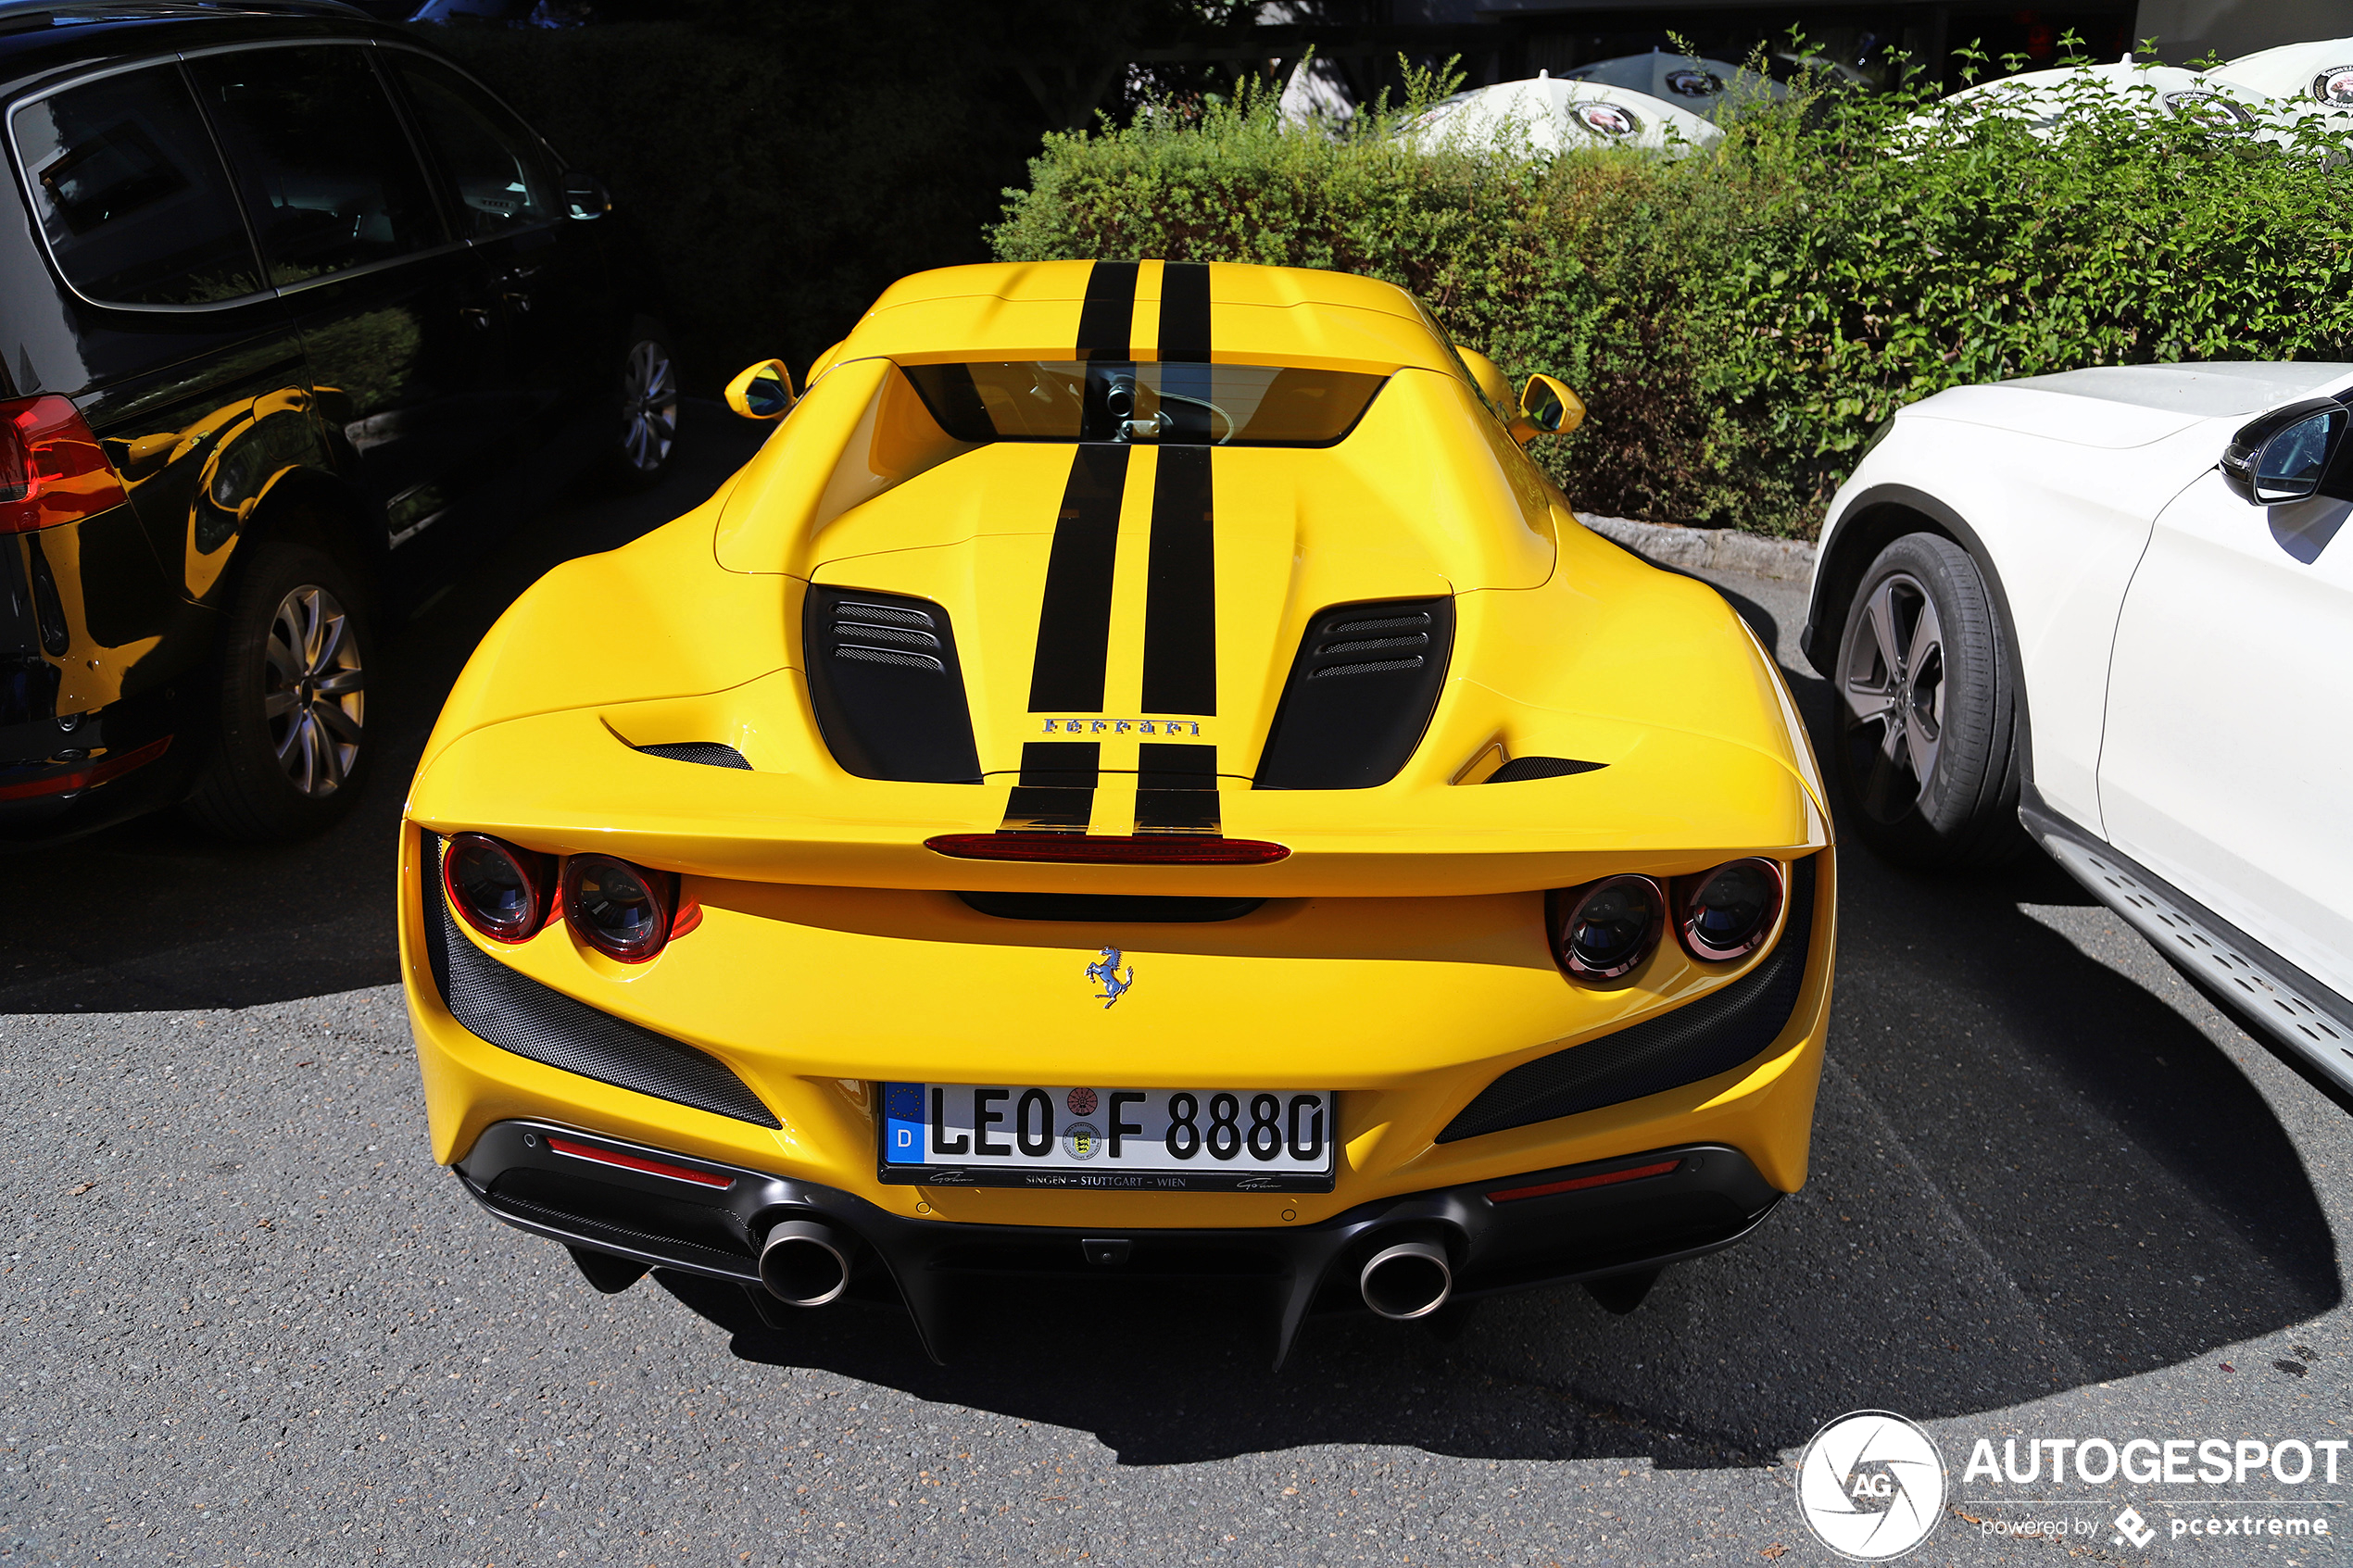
52, 469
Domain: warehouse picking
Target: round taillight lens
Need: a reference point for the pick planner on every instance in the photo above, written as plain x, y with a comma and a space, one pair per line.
1604, 929
501, 890
1727, 912
620, 909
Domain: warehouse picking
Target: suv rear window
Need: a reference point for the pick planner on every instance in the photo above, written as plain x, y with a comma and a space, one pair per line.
1114, 400
129, 192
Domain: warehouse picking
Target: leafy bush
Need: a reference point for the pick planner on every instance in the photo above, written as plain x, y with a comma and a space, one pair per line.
1739, 320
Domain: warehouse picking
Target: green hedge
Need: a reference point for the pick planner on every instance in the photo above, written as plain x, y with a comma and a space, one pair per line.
1740, 320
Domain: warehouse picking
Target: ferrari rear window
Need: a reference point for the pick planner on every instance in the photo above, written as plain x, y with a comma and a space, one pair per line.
1119, 401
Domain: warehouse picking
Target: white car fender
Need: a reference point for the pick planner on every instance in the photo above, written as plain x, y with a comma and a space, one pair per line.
2054, 496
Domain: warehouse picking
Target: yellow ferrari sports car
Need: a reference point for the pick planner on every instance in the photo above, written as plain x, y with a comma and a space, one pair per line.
1141, 775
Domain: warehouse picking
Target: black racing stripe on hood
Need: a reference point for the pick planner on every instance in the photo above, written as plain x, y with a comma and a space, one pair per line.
1108, 317
1180, 601
1073, 623
1176, 789
1184, 312
1057, 789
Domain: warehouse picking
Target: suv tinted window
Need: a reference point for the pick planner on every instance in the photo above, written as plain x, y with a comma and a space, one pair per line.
500, 175
127, 188
326, 166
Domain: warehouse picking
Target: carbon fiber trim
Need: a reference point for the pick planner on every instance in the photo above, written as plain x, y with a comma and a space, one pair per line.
1523, 768
517, 1013
710, 753
1713, 1034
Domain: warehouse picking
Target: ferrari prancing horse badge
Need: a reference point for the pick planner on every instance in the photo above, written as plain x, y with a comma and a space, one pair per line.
1105, 972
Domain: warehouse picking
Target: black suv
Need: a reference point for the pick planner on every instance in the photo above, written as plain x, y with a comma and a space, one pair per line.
298, 314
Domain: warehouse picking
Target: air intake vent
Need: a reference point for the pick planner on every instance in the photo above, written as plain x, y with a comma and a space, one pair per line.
516, 1013
1698, 1040
710, 753
1361, 693
889, 693
1522, 768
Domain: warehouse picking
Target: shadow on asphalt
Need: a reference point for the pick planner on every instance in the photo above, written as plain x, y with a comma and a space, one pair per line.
157, 914
2031, 1174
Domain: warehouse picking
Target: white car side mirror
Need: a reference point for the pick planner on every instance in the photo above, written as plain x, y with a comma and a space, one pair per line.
2286, 454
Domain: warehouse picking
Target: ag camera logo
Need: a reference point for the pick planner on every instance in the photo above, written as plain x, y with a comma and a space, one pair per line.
1870, 1485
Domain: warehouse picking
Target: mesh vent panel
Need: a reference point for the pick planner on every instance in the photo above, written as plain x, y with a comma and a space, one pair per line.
1520, 767
710, 753
517, 1013
1713, 1034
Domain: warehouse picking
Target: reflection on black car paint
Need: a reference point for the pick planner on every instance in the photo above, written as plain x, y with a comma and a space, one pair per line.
303, 281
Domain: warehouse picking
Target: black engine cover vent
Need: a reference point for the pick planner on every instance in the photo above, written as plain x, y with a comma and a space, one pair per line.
1360, 694
889, 693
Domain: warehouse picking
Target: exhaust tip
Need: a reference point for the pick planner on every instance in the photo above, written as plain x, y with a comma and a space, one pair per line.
806, 1263
1408, 1280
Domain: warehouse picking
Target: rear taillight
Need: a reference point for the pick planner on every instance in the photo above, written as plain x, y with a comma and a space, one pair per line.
52, 469
502, 891
622, 910
1604, 929
1726, 913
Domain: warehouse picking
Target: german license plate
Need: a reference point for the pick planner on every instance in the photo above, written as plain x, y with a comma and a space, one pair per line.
1074, 1136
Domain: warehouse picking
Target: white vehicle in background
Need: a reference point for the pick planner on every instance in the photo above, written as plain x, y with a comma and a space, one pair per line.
2280, 101
2316, 73
1551, 114
2113, 604
2043, 98
1689, 82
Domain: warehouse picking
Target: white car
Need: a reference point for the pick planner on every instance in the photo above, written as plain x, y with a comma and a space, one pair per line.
1551, 114
2280, 106
2043, 98
2320, 72
2112, 604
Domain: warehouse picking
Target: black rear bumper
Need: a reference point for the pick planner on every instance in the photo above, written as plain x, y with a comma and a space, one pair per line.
1587, 1221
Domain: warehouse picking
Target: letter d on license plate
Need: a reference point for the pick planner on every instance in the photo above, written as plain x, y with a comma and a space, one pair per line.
1115, 1139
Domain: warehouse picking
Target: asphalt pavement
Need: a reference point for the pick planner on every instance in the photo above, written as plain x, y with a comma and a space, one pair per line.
2055, 1195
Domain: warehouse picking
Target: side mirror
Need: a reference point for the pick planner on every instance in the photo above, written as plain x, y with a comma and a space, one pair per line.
585, 195
1493, 385
1546, 407
2284, 455
762, 392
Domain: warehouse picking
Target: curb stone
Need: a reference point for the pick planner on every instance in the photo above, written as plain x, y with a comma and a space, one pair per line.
1722, 549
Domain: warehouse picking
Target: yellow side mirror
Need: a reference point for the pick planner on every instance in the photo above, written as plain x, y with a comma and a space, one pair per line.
762, 392
1546, 407
1493, 383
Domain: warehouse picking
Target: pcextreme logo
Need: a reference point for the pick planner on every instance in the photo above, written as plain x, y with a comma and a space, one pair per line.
1870, 1485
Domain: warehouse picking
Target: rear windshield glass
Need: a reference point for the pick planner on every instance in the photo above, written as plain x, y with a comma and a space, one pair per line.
126, 187
1116, 400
